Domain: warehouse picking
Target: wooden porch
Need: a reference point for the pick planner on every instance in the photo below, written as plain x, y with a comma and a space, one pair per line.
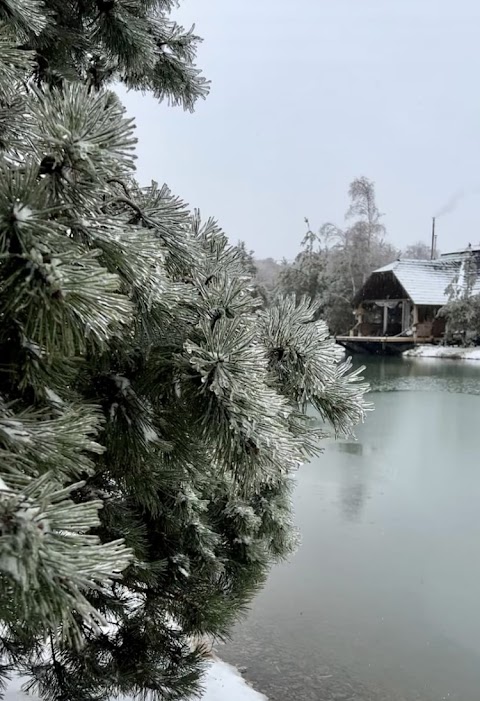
381, 345
392, 326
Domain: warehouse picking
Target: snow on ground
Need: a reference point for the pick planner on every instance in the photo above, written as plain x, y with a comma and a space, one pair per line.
221, 683
452, 352
225, 683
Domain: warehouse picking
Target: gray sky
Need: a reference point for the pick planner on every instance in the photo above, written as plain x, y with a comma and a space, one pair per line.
308, 94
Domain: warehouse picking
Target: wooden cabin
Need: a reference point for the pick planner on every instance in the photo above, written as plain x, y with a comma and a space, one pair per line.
398, 304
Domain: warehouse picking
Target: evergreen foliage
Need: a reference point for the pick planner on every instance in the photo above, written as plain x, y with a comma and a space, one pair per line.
462, 320
151, 414
462, 311
308, 276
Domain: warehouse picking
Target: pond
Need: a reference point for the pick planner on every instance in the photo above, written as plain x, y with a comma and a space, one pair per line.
382, 600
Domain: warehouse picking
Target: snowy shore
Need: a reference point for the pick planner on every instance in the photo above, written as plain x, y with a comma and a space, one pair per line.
451, 352
224, 683
221, 683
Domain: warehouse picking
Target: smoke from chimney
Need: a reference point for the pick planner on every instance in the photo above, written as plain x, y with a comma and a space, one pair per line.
451, 204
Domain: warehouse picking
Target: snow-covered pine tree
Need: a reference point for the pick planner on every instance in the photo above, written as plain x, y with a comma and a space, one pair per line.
150, 415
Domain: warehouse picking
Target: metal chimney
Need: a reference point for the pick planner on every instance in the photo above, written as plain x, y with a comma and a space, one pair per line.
434, 240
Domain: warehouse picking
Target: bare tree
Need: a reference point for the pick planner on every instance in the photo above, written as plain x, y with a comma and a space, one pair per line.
363, 206
334, 264
417, 251
310, 238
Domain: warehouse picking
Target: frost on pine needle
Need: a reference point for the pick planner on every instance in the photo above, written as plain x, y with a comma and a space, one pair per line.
14, 431
152, 408
53, 397
46, 557
22, 214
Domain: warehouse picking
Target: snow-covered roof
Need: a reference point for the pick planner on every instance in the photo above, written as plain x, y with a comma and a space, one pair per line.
462, 251
426, 281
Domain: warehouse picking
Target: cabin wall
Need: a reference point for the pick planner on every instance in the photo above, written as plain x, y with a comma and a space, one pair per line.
380, 318
394, 318
382, 286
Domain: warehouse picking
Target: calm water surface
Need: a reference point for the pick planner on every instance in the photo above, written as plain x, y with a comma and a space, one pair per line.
382, 600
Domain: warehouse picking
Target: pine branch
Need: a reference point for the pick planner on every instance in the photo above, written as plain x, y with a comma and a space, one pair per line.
126, 201
150, 415
122, 184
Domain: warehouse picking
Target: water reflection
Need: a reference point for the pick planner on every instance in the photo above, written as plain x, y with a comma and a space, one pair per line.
380, 603
352, 448
353, 479
421, 374
352, 497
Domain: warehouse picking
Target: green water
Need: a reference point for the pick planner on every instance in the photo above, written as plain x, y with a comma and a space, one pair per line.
382, 600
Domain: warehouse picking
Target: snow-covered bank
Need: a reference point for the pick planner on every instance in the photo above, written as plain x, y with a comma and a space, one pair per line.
452, 352
221, 683
224, 683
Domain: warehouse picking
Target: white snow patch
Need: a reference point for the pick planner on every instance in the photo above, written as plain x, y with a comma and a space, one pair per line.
150, 434
123, 383
224, 683
14, 430
53, 396
243, 540
34, 348
221, 683
452, 352
22, 213
459, 285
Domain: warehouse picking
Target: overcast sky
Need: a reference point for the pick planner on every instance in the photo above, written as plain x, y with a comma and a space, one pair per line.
308, 94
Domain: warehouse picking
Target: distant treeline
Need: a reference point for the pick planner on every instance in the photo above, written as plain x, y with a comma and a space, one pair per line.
334, 262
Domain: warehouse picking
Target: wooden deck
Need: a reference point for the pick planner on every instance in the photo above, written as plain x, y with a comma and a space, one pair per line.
381, 345
384, 339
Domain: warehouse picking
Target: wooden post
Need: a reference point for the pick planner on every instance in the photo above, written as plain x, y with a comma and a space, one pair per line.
406, 315
385, 320
359, 319
360, 313
415, 321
